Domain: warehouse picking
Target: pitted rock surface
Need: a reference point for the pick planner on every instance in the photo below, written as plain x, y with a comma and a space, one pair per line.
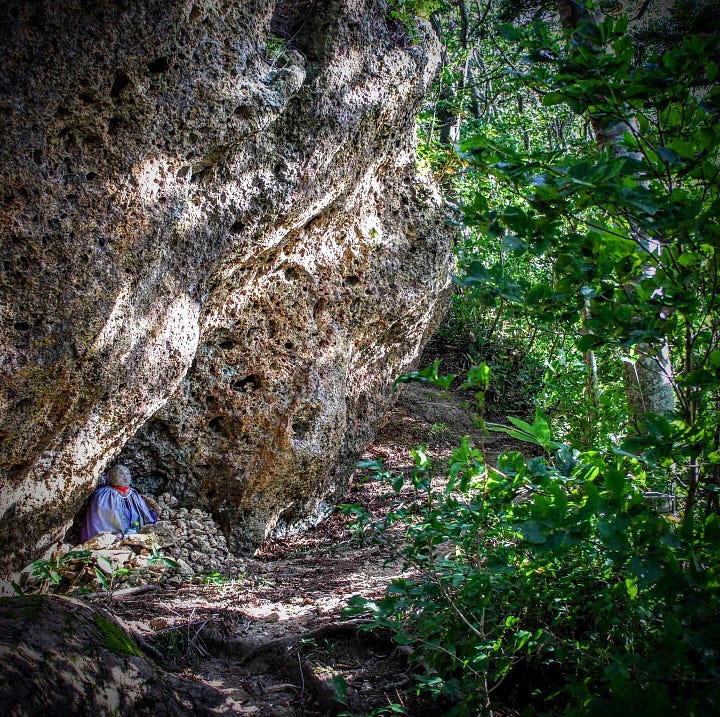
60, 656
210, 219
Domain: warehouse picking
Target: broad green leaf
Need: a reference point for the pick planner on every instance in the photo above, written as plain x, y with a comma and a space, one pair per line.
668, 155
512, 242
631, 587
647, 571
510, 32
551, 99
104, 564
532, 532
102, 578
588, 342
370, 464
478, 377
682, 148
615, 482
341, 689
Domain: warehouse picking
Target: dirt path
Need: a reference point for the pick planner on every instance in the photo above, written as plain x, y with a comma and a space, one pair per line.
272, 642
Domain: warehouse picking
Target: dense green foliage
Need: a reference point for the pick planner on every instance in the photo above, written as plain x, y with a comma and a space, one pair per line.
551, 585
584, 171
632, 238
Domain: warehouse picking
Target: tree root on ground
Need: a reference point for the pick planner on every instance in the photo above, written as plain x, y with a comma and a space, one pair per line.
284, 657
243, 651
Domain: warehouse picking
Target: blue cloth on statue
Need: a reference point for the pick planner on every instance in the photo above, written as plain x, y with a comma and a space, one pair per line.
109, 511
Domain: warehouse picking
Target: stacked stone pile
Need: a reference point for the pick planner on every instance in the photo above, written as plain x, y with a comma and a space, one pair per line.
199, 544
105, 562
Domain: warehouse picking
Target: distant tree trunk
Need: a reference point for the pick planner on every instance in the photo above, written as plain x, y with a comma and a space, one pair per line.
592, 385
648, 381
648, 378
478, 103
526, 134
449, 110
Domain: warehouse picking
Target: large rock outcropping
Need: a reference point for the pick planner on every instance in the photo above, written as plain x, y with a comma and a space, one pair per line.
210, 219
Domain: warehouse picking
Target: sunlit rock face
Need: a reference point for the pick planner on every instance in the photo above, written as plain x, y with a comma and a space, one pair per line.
215, 252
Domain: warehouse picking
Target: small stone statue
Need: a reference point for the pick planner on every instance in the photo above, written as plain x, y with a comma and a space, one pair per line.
116, 507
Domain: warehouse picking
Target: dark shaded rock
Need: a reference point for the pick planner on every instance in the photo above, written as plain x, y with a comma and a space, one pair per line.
59, 657
435, 406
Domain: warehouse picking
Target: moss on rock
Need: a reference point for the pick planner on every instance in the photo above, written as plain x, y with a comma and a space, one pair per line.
116, 640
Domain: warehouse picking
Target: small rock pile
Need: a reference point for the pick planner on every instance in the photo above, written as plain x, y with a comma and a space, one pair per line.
185, 545
199, 544
105, 562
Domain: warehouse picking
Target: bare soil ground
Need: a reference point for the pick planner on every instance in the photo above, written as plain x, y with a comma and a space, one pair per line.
271, 643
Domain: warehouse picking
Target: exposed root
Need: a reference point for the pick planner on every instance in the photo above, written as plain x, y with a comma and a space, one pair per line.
242, 651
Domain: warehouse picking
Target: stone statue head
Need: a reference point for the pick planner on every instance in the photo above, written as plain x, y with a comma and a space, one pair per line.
119, 476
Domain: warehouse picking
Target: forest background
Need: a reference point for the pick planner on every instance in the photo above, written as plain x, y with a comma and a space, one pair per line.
577, 146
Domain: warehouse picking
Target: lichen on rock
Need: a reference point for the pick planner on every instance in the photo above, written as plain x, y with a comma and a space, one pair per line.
216, 251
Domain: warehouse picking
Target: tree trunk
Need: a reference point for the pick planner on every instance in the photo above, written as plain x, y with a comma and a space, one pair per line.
592, 385
649, 377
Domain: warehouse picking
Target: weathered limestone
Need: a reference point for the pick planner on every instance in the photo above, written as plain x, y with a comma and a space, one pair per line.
196, 209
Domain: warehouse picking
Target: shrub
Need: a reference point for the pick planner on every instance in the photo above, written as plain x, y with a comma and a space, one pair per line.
552, 586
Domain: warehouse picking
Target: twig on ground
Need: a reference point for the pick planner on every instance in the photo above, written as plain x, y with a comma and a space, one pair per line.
302, 679
200, 648
117, 594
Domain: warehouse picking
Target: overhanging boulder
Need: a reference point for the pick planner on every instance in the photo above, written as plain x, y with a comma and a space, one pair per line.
210, 219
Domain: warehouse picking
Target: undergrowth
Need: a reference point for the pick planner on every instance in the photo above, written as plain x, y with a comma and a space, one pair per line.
550, 585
